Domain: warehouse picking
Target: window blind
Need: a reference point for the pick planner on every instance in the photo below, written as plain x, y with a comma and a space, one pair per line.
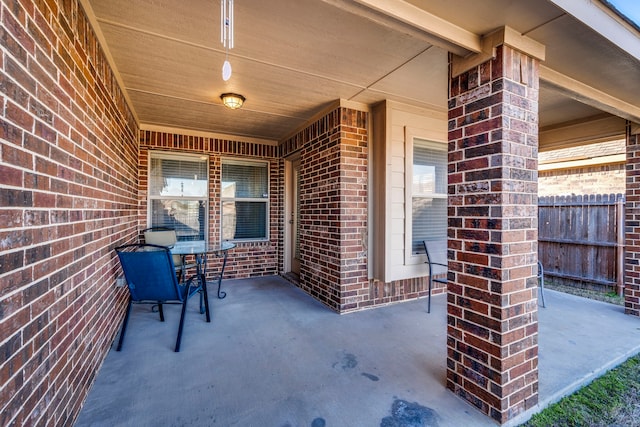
429, 193
178, 195
245, 200
244, 181
178, 178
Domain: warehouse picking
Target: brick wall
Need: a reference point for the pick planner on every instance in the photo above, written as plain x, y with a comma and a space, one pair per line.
65, 203
632, 227
381, 293
492, 352
247, 259
333, 208
600, 179
334, 165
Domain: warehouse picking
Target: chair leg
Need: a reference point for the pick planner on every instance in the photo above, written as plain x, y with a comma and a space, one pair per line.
204, 295
184, 310
161, 311
429, 300
124, 326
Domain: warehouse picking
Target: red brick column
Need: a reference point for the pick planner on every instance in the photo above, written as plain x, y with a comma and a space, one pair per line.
492, 343
632, 227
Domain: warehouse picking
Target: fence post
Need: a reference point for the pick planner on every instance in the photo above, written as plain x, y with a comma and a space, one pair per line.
620, 245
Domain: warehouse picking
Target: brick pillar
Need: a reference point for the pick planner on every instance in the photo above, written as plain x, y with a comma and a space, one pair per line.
632, 226
492, 344
354, 282
333, 208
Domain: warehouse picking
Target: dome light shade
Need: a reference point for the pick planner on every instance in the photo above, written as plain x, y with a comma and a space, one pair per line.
232, 100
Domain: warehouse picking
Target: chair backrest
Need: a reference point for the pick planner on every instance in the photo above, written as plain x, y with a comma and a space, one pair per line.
426, 250
436, 261
429, 260
150, 272
160, 236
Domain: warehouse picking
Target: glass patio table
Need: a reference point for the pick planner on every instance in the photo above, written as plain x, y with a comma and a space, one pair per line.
201, 250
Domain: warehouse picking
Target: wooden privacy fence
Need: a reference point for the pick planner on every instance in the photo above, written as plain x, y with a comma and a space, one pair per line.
581, 240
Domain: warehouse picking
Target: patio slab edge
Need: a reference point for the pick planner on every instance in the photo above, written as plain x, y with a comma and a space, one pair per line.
572, 388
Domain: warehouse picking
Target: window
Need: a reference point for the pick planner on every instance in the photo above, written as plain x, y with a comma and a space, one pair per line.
428, 193
245, 200
178, 194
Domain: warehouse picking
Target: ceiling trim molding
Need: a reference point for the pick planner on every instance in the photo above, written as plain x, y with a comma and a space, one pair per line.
354, 105
449, 34
93, 20
212, 135
589, 95
501, 36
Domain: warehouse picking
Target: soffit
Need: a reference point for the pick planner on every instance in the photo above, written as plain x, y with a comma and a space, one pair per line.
589, 58
572, 48
293, 58
557, 108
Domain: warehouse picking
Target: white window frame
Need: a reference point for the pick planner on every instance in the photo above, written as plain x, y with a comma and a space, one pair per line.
411, 135
265, 199
151, 197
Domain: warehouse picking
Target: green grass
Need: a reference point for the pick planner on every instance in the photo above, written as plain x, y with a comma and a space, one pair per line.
613, 294
610, 297
612, 399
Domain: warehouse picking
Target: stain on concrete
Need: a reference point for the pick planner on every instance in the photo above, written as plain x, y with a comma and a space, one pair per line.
347, 361
406, 414
318, 422
370, 376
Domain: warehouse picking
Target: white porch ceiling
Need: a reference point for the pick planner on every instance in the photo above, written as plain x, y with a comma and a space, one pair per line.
293, 58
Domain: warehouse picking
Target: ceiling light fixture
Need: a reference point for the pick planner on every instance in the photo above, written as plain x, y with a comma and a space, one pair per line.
226, 35
232, 100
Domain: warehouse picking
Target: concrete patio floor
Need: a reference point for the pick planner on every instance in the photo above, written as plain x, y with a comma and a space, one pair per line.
273, 356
